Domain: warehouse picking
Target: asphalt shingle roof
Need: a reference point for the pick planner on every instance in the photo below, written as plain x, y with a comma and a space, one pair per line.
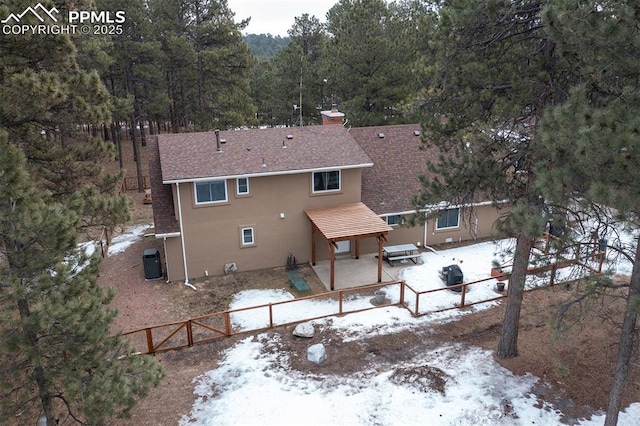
192, 156
390, 184
164, 217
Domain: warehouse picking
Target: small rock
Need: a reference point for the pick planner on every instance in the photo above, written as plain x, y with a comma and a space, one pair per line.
316, 353
305, 329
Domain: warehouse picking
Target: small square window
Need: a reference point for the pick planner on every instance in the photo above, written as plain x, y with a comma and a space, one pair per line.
394, 220
247, 236
242, 186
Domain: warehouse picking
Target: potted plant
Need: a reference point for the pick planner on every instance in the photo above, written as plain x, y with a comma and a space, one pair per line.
496, 270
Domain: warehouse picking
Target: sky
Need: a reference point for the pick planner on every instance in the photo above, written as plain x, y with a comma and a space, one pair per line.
254, 383
276, 17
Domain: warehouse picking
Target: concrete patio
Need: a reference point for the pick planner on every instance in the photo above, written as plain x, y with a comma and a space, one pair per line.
350, 272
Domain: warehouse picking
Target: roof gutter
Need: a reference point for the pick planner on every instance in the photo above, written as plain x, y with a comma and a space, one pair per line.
168, 235
278, 173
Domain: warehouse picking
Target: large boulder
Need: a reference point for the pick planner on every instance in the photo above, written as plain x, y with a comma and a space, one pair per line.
317, 353
305, 329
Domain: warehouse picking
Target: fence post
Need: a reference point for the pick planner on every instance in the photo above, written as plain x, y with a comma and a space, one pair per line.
189, 333
340, 302
149, 341
227, 323
270, 315
401, 292
552, 280
463, 293
601, 261
417, 302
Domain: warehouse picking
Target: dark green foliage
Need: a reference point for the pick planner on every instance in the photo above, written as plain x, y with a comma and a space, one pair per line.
295, 74
593, 142
195, 65
494, 72
370, 54
48, 103
265, 46
362, 60
57, 355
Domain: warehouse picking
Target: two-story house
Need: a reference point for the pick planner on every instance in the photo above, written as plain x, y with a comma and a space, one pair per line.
246, 199
237, 199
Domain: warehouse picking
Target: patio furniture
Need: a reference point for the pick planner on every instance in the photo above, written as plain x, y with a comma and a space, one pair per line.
400, 252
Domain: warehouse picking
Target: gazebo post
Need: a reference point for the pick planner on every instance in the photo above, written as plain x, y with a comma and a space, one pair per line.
357, 254
313, 243
380, 239
332, 260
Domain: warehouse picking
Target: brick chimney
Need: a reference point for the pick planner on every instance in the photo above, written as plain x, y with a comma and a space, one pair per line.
332, 117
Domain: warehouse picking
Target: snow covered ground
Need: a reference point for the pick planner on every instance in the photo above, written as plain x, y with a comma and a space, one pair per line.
254, 384
129, 236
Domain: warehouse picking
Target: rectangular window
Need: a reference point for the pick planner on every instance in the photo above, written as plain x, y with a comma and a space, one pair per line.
326, 181
247, 236
394, 220
242, 186
448, 219
213, 191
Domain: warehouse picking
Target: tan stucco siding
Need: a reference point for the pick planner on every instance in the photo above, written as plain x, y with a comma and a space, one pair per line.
486, 219
213, 232
481, 225
173, 258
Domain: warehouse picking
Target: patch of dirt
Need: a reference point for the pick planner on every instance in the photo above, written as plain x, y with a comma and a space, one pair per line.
421, 378
575, 367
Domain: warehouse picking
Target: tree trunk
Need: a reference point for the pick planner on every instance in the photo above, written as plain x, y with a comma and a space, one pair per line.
626, 346
508, 347
136, 154
115, 135
38, 371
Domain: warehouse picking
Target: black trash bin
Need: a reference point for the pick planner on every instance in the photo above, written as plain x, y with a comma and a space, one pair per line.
152, 266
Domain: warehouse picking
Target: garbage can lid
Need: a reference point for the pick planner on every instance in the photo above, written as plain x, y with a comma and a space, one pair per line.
151, 252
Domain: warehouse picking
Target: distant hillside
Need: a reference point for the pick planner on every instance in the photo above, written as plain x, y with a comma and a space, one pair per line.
265, 46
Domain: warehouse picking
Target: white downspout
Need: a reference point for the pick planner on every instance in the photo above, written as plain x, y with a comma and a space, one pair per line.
184, 252
424, 242
166, 264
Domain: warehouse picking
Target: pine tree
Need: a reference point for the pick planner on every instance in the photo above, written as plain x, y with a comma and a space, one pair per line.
297, 74
495, 72
207, 63
593, 139
371, 48
48, 104
57, 356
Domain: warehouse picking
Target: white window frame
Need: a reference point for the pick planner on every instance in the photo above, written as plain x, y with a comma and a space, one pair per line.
242, 235
400, 220
324, 191
457, 225
195, 191
238, 186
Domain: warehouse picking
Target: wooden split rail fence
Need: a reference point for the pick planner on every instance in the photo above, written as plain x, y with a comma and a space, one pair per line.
205, 328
